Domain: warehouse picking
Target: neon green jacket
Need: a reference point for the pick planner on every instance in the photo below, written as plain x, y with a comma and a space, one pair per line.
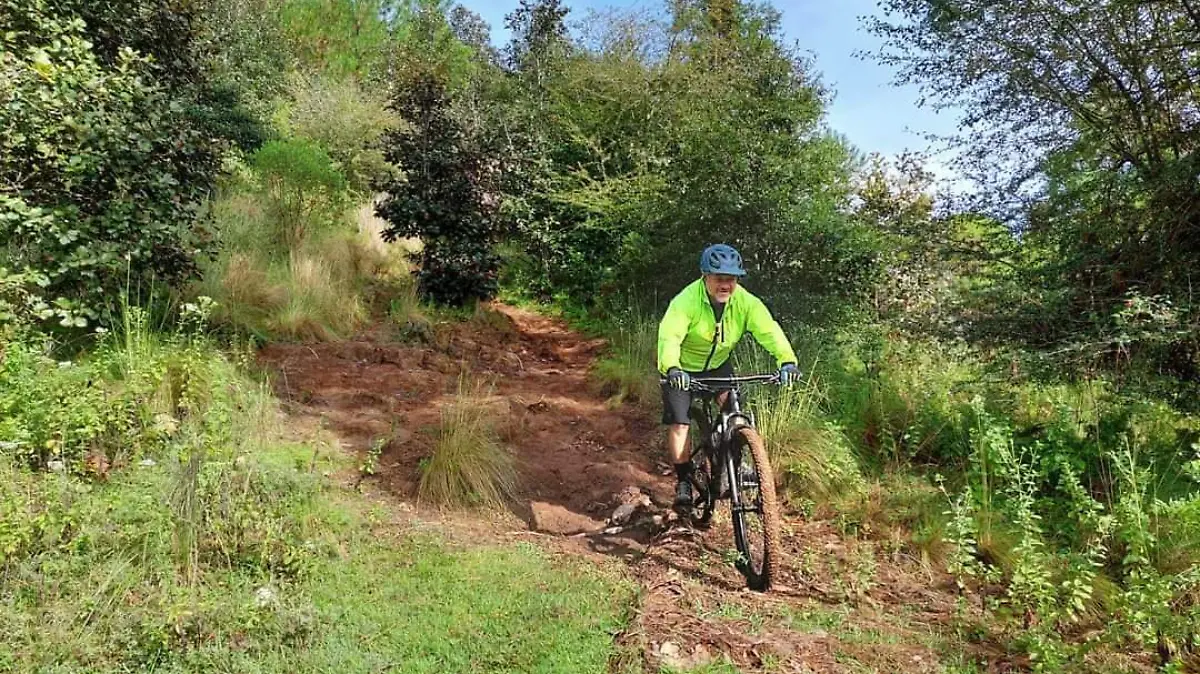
688, 335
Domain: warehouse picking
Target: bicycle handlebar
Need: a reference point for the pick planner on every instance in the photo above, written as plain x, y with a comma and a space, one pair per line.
725, 383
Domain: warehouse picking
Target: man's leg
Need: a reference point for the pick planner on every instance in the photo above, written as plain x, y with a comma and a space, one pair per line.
681, 455
677, 444
675, 417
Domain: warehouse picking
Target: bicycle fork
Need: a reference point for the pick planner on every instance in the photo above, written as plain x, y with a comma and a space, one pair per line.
737, 482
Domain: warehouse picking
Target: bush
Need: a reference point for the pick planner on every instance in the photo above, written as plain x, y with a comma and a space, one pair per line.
105, 158
445, 198
305, 194
349, 123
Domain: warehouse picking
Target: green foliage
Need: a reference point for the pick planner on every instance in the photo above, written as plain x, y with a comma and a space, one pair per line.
626, 372
444, 199
303, 189
1077, 141
811, 457
17, 304
200, 542
341, 39
248, 49
347, 122
628, 164
103, 163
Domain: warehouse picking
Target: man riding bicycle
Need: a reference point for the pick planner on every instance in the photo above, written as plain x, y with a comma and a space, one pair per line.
702, 325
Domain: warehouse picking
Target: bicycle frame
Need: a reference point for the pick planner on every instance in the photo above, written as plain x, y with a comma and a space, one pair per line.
717, 432
731, 410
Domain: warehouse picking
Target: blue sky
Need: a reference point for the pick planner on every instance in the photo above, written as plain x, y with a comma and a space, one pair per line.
867, 109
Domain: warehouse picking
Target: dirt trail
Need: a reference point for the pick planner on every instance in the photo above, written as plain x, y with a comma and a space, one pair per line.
840, 606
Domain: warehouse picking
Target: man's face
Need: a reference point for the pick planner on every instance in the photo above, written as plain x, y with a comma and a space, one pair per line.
720, 286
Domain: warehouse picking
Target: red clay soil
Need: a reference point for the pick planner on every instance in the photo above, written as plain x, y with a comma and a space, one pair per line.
840, 606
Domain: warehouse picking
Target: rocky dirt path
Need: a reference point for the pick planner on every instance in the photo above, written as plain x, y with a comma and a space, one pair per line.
594, 482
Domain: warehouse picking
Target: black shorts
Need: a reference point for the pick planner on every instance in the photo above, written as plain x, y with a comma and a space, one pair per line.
677, 404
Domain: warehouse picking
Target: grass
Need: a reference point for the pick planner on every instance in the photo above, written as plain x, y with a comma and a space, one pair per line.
217, 547
812, 458
469, 465
318, 288
626, 372
904, 512
312, 585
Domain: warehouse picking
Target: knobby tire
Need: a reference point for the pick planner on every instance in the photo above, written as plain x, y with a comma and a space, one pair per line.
758, 572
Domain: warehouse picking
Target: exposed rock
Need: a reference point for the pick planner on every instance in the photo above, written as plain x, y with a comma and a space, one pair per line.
555, 519
622, 514
672, 655
264, 596
701, 656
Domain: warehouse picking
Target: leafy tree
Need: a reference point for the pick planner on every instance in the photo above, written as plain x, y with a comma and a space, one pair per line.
632, 158
249, 50
341, 38
444, 199
1077, 120
471, 30
105, 153
349, 122
538, 30
303, 188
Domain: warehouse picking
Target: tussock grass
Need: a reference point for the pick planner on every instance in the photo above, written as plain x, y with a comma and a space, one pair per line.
469, 465
321, 306
626, 372
811, 456
314, 290
904, 512
813, 459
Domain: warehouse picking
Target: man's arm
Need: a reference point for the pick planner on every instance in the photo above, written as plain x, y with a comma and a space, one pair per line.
768, 333
671, 331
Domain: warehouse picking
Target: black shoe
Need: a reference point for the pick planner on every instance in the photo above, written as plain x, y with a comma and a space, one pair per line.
683, 494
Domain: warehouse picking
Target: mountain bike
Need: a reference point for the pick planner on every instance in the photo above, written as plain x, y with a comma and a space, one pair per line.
730, 462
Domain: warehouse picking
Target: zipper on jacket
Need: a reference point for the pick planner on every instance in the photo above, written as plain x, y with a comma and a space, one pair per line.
718, 331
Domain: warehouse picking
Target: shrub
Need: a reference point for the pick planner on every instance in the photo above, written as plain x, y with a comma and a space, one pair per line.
445, 198
349, 123
105, 158
305, 193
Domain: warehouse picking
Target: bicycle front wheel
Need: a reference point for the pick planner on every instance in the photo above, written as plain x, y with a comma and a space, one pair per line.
755, 510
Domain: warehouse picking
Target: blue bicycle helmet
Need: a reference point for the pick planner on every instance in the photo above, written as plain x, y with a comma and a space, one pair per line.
721, 259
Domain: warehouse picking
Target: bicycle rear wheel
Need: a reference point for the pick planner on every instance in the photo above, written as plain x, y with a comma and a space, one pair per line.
755, 510
703, 498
